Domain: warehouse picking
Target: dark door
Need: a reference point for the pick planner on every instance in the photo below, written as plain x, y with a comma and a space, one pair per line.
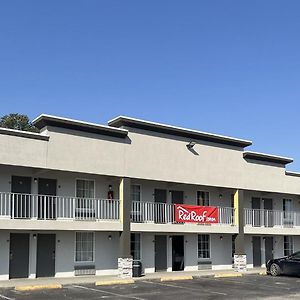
19, 255
268, 212
268, 248
46, 204
160, 253
160, 198
178, 253
20, 201
176, 198
256, 243
45, 262
256, 212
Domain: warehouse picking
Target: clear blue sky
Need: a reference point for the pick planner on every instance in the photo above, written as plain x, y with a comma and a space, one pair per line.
227, 67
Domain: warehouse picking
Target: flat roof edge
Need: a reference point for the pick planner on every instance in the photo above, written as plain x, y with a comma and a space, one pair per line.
267, 157
25, 134
49, 120
290, 173
177, 131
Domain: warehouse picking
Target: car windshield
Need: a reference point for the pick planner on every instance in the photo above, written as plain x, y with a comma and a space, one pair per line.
296, 255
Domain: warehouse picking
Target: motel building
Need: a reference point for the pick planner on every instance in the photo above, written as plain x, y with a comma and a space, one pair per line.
80, 199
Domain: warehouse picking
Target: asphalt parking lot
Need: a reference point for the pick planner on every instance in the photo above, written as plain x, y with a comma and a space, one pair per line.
246, 287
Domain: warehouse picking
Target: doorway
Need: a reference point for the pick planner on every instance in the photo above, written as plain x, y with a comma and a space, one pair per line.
177, 253
256, 212
256, 244
19, 255
268, 212
20, 201
160, 198
160, 253
268, 248
45, 262
46, 203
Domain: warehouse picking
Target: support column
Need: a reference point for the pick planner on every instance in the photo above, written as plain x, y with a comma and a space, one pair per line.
125, 258
240, 259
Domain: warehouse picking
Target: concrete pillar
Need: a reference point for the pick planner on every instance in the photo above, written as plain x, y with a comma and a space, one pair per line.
240, 259
32, 255
125, 259
4, 254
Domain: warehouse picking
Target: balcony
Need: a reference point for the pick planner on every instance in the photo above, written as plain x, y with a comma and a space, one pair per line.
160, 217
55, 212
271, 221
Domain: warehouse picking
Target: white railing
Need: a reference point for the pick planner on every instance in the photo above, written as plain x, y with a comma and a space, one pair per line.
271, 218
162, 213
44, 207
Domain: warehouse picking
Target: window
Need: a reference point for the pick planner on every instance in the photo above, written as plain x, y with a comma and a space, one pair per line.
288, 245
135, 192
85, 188
84, 247
202, 198
203, 246
287, 207
135, 246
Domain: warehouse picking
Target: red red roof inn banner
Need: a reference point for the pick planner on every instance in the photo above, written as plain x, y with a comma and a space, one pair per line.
196, 214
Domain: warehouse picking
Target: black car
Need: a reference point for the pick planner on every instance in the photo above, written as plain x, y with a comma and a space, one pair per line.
288, 265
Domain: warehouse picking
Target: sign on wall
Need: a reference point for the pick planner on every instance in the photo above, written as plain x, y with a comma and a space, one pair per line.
196, 214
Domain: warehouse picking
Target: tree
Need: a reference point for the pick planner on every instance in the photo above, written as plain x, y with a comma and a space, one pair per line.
18, 122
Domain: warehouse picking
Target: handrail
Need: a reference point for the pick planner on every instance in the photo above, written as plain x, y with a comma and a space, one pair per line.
48, 207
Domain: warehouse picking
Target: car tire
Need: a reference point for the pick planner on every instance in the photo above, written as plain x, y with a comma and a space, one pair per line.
275, 270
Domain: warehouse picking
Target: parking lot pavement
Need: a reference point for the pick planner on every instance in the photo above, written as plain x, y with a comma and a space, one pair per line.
246, 287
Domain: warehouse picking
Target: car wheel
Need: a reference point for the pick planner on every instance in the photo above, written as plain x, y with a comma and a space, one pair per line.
275, 270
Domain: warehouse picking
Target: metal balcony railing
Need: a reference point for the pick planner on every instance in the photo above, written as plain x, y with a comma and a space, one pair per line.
44, 207
271, 218
162, 213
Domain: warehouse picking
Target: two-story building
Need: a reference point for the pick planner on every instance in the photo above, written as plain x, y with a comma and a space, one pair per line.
77, 197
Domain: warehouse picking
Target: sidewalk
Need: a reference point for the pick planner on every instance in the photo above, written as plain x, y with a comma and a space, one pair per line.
13, 283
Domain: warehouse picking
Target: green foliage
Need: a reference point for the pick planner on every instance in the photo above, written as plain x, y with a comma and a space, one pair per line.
18, 122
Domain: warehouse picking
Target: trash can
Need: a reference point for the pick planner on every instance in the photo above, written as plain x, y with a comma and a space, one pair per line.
137, 268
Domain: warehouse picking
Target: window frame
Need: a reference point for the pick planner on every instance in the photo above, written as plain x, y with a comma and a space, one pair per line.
85, 179
203, 191
140, 192
140, 243
290, 243
209, 248
94, 247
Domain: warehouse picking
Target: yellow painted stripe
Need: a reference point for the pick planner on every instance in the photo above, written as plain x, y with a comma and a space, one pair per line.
227, 275
112, 282
173, 278
24, 288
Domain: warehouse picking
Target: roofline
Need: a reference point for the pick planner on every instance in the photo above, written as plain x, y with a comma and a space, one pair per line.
50, 120
267, 157
26, 134
177, 131
290, 173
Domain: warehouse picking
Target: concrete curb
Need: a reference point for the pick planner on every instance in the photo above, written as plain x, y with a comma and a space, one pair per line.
24, 288
228, 275
115, 282
174, 278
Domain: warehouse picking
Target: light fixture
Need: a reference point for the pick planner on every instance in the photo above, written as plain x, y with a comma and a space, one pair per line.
221, 237
190, 145
109, 237
35, 180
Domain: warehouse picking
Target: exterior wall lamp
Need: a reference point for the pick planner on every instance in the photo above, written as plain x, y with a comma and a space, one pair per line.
190, 145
